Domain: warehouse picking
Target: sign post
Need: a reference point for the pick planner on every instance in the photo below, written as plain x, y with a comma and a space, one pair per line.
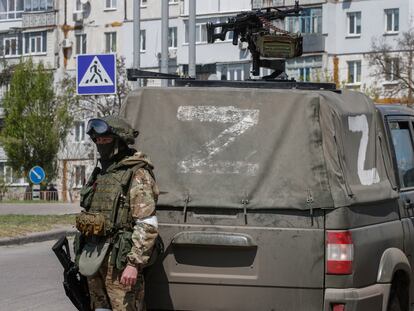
36, 176
96, 74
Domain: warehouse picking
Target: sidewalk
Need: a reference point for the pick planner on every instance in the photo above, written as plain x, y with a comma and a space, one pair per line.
39, 208
38, 236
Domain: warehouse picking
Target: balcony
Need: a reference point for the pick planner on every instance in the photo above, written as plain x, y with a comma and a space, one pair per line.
39, 19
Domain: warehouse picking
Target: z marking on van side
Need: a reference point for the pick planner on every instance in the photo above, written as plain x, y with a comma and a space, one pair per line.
201, 161
360, 124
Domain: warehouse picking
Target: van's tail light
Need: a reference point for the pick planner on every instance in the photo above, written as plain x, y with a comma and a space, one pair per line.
338, 307
339, 252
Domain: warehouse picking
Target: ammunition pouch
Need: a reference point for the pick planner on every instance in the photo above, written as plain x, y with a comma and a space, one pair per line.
279, 45
122, 244
90, 224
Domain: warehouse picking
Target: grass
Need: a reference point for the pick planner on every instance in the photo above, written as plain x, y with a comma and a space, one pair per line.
20, 225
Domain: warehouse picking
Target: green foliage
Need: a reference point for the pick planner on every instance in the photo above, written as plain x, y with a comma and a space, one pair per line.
35, 122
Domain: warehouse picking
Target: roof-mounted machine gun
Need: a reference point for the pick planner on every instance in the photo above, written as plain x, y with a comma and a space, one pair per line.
263, 38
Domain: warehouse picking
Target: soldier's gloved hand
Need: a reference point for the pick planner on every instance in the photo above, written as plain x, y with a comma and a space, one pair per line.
129, 276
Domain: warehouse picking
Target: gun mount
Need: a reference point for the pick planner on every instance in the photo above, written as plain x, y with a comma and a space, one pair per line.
263, 38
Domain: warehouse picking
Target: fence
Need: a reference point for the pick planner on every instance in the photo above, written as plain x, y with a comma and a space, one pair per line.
68, 196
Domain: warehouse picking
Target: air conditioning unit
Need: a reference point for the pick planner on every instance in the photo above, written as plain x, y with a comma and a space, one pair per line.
172, 53
78, 16
243, 45
66, 43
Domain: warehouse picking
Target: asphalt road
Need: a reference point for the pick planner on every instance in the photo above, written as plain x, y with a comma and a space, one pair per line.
39, 209
31, 279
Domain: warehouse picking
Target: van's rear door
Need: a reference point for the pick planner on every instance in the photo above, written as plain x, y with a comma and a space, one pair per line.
215, 261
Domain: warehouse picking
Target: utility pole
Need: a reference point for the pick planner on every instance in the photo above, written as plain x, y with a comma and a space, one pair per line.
137, 36
192, 38
164, 39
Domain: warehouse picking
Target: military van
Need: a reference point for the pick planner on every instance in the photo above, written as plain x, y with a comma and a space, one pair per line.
278, 198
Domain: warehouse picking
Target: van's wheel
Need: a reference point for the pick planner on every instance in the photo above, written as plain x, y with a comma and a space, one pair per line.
394, 303
399, 294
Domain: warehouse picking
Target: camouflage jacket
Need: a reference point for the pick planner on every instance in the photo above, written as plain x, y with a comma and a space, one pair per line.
143, 196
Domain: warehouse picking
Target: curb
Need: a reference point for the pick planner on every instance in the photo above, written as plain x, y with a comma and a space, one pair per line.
37, 237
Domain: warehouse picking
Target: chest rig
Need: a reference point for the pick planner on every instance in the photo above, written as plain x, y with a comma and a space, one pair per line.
107, 195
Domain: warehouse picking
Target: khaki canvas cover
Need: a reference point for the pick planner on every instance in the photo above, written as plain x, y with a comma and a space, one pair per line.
261, 148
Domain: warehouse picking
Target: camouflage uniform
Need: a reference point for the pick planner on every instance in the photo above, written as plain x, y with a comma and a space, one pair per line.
104, 287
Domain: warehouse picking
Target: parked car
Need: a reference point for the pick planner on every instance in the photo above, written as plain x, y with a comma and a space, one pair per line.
278, 196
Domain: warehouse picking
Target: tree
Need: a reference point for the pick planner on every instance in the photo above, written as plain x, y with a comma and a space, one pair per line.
35, 122
395, 64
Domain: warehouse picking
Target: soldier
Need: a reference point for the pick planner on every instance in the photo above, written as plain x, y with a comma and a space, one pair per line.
118, 228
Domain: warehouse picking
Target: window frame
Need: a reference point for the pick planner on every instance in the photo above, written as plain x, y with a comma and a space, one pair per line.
174, 38
199, 27
31, 39
387, 13
354, 32
81, 43
355, 72
111, 35
13, 14
143, 40
399, 118
81, 176
394, 65
113, 5
5, 39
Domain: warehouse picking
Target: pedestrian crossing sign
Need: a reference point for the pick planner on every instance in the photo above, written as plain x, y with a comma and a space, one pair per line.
96, 74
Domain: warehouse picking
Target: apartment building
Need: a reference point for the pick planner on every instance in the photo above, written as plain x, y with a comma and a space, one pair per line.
350, 28
337, 39
28, 28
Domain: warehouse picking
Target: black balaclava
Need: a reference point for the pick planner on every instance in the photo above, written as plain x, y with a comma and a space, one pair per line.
112, 152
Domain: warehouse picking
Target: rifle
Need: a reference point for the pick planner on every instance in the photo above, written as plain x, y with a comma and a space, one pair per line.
75, 284
264, 39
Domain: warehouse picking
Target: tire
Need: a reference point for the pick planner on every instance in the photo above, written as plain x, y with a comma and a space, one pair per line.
395, 303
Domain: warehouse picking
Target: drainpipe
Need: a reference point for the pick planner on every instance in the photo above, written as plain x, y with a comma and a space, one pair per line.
336, 70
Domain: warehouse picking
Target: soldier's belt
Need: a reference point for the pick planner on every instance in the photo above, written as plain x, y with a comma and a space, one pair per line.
91, 224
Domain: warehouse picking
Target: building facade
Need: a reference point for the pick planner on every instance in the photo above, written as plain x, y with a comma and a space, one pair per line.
337, 35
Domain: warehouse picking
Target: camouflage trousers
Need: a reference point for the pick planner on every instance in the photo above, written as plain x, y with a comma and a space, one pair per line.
108, 293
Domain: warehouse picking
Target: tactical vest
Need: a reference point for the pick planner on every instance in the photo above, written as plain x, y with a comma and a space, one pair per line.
108, 195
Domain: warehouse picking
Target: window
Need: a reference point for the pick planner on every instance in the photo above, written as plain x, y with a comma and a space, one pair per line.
172, 1
80, 175
79, 131
38, 5
78, 6
172, 37
392, 20
143, 40
35, 42
110, 42
11, 9
80, 44
144, 3
354, 23
305, 74
392, 69
354, 72
11, 46
10, 176
201, 33
110, 4
401, 138
310, 21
